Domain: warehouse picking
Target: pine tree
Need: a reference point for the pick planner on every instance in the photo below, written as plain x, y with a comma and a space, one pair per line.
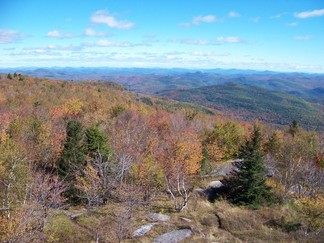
73, 158
247, 185
97, 142
273, 144
293, 128
205, 166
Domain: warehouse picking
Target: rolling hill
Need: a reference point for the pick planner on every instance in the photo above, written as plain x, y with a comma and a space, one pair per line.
152, 80
249, 103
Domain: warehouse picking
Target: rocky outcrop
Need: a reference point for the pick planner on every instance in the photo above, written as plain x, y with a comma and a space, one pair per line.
143, 230
173, 236
215, 184
158, 217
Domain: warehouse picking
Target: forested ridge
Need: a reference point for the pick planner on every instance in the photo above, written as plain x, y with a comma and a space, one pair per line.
248, 103
92, 161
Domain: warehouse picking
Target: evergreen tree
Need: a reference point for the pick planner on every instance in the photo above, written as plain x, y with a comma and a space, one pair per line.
247, 185
205, 166
293, 128
96, 142
273, 144
73, 158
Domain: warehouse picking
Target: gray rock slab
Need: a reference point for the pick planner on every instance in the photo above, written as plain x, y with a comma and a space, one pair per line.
226, 168
158, 217
215, 184
143, 230
173, 236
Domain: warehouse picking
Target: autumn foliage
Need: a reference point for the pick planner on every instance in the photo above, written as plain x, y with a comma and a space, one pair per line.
89, 144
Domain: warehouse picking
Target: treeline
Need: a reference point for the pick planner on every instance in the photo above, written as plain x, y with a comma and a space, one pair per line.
65, 144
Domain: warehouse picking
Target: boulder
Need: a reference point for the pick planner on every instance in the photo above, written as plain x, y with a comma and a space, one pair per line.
158, 217
143, 230
215, 184
173, 236
226, 168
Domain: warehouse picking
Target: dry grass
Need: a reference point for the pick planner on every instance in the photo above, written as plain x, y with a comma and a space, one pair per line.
209, 222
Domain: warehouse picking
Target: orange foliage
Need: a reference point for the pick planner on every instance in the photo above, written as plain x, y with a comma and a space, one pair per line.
182, 154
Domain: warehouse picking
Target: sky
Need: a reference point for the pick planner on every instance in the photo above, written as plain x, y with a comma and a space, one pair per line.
278, 35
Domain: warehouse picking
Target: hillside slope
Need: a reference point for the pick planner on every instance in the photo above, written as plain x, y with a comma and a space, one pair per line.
248, 103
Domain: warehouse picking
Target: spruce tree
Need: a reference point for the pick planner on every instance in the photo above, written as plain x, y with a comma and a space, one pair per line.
205, 166
246, 186
73, 158
293, 128
96, 142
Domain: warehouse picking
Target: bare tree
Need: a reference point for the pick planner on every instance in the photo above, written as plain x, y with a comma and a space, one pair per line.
97, 180
28, 221
179, 190
46, 192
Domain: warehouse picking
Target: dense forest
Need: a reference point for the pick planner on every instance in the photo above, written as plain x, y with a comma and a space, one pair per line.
248, 103
94, 162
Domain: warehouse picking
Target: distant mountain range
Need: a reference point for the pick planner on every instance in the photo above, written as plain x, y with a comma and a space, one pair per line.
152, 80
273, 97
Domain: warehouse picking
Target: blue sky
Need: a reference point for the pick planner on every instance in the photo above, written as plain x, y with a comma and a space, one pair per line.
281, 35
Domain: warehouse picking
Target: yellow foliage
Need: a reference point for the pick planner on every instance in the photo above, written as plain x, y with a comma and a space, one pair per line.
7, 227
312, 210
2, 98
4, 136
277, 187
73, 106
143, 109
20, 224
189, 156
148, 173
4, 150
89, 182
214, 152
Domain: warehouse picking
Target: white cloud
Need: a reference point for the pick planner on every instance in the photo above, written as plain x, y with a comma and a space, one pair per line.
51, 49
231, 39
217, 41
185, 24
10, 36
204, 19
200, 19
103, 17
174, 53
58, 34
303, 37
310, 14
34, 51
208, 54
63, 47
203, 53
293, 24
278, 16
194, 42
92, 33
233, 14
107, 43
